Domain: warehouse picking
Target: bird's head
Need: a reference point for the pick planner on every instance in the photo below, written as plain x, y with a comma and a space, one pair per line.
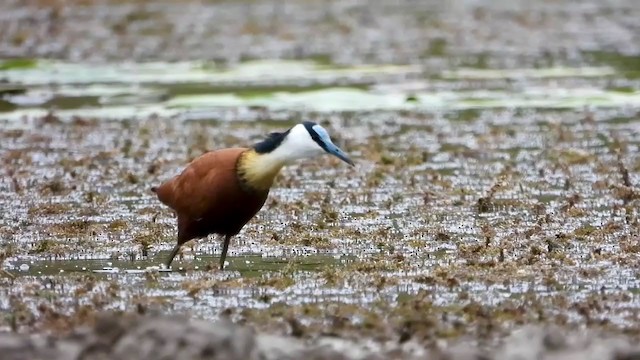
302, 141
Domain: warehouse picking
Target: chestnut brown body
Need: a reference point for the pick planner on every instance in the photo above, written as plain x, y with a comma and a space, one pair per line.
211, 197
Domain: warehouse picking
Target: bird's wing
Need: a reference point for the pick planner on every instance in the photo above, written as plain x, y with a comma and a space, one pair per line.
203, 185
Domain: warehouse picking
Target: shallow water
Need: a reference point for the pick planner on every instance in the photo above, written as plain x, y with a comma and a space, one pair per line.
169, 89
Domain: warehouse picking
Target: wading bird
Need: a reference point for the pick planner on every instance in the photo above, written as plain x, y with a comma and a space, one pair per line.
221, 190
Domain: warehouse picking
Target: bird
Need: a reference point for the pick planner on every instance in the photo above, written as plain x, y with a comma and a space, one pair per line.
220, 191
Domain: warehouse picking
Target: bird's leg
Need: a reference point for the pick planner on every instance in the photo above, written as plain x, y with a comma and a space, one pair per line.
225, 247
173, 254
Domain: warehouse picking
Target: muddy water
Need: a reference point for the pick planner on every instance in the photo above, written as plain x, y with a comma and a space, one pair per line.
486, 195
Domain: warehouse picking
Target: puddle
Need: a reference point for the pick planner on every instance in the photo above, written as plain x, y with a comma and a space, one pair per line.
246, 266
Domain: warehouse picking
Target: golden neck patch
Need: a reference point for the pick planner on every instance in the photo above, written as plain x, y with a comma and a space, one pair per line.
258, 171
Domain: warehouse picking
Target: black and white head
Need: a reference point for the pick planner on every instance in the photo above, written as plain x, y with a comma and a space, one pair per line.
303, 141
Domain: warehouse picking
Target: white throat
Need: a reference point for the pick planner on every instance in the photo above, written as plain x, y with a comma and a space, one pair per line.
260, 170
297, 145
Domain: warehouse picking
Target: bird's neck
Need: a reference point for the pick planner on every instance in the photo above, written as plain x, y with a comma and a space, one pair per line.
258, 171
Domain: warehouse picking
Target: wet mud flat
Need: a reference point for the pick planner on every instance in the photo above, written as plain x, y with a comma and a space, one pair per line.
490, 193
457, 225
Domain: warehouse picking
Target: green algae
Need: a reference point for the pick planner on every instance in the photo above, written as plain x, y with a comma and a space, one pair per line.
627, 65
17, 64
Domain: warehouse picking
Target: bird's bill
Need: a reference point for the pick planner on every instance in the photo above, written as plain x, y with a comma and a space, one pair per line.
337, 152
